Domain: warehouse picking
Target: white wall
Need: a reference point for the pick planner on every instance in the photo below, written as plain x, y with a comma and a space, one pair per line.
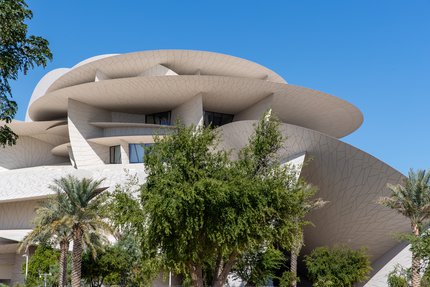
28, 152
18, 214
127, 118
255, 111
190, 112
80, 116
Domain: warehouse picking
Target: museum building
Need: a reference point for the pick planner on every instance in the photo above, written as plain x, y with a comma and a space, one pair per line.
94, 120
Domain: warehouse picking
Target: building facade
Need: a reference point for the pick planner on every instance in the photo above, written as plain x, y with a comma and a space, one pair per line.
93, 120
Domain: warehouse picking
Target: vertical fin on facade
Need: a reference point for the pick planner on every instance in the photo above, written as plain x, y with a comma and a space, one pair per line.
158, 70
190, 112
256, 110
296, 162
100, 76
80, 116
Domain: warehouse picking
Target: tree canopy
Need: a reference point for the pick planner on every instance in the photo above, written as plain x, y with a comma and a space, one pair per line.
43, 261
202, 208
19, 52
339, 266
411, 198
50, 229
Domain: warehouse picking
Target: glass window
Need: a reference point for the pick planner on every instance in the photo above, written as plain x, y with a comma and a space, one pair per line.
137, 152
115, 154
159, 118
217, 119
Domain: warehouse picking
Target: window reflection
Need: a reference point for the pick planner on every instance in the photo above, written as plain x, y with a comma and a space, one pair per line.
217, 119
115, 154
137, 152
159, 118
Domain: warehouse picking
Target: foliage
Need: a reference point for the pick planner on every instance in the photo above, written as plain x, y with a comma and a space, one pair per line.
412, 197
49, 229
126, 213
287, 279
259, 266
412, 200
199, 211
339, 266
106, 268
19, 52
83, 215
44, 260
425, 280
399, 277
308, 203
420, 246
115, 265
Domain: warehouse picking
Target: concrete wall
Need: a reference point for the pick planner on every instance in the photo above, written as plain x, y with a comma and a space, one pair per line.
17, 215
28, 152
255, 111
80, 116
158, 70
190, 112
127, 118
7, 264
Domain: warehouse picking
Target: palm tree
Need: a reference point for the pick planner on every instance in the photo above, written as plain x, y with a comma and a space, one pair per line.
412, 200
82, 214
50, 229
307, 206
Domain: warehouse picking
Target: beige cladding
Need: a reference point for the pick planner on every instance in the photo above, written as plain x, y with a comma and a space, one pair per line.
350, 179
293, 104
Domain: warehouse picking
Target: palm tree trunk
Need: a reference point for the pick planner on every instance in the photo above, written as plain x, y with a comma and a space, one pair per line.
77, 257
295, 251
64, 248
293, 268
416, 261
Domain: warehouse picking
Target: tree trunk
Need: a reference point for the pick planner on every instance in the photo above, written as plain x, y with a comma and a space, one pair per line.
416, 261
64, 248
295, 251
220, 280
77, 257
293, 268
196, 276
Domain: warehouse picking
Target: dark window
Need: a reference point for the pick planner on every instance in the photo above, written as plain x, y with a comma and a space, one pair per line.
115, 154
137, 152
159, 118
217, 119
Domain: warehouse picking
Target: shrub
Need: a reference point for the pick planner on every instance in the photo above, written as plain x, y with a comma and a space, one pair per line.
338, 266
398, 277
44, 260
286, 279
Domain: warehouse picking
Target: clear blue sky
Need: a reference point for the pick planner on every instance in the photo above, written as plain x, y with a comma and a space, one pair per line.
372, 53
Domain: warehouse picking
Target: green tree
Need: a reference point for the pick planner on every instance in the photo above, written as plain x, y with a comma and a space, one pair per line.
339, 266
43, 261
109, 264
399, 277
84, 215
420, 246
19, 52
412, 200
257, 267
308, 203
128, 217
200, 211
50, 229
